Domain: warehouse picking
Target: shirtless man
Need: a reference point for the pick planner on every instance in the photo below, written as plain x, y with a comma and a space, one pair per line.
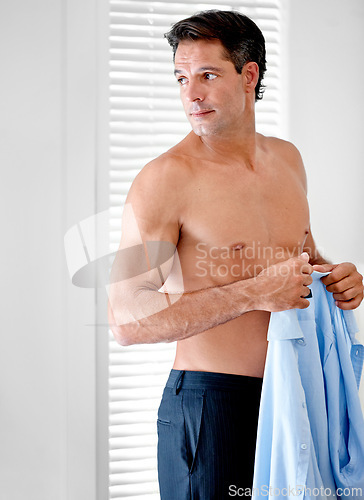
234, 205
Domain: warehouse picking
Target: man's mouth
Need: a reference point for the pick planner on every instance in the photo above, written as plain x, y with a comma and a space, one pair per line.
201, 113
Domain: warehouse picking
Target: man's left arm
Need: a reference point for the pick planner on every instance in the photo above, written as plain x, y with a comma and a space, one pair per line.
344, 280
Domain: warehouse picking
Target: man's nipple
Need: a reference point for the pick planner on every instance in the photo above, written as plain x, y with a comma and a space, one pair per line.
236, 247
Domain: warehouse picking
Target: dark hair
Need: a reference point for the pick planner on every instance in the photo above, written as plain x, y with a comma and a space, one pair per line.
240, 36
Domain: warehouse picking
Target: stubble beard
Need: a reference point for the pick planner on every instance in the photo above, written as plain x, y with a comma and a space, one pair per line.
207, 129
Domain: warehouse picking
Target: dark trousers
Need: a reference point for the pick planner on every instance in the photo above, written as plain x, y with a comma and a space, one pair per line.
207, 425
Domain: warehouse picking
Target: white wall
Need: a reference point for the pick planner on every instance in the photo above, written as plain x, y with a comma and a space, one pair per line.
32, 381
326, 114
48, 432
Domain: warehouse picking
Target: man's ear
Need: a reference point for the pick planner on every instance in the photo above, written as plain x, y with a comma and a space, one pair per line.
251, 73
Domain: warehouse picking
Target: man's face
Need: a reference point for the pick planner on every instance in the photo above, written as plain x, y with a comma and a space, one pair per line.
212, 92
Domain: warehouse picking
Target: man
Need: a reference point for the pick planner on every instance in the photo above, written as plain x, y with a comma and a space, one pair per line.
233, 204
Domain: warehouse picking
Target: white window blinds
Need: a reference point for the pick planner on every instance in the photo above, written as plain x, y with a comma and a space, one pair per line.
146, 118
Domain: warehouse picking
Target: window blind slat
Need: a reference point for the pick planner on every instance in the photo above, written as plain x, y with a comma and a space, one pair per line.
130, 454
152, 43
189, 7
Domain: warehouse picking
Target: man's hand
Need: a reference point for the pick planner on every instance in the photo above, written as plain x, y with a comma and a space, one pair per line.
344, 282
284, 285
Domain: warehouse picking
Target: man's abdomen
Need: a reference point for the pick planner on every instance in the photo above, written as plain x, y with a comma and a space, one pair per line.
238, 347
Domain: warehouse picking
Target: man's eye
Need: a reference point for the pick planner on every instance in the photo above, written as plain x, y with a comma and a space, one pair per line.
210, 76
182, 80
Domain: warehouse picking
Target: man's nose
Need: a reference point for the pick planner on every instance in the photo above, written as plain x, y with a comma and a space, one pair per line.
195, 91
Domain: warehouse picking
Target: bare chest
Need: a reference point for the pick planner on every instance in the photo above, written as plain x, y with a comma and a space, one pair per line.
227, 208
251, 219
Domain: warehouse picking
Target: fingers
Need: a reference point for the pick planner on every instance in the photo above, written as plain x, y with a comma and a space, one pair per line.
307, 279
344, 282
307, 269
306, 292
352, 296
340, 272
302, 263
346, 285
323, 268
304, 256
303, 304
347, 288
340, 286
350, 304
349, 294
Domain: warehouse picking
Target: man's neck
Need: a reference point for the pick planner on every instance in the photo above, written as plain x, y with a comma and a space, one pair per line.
240, 149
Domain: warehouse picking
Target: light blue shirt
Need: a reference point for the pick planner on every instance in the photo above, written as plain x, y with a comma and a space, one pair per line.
310, 440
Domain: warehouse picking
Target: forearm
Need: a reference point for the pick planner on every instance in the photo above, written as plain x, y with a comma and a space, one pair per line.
184, 316
144, 316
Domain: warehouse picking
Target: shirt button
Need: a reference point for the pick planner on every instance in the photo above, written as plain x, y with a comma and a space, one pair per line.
303, 405
303, 446
357, 352
301, 341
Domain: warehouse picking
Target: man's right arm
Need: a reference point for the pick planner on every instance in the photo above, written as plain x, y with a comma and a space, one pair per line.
139, 313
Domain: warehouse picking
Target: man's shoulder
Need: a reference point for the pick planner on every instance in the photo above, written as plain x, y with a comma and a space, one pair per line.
282, 147
164, 175
168, 165
165, 167
288, 154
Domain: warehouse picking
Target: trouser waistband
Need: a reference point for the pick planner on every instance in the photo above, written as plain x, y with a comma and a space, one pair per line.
210, 380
